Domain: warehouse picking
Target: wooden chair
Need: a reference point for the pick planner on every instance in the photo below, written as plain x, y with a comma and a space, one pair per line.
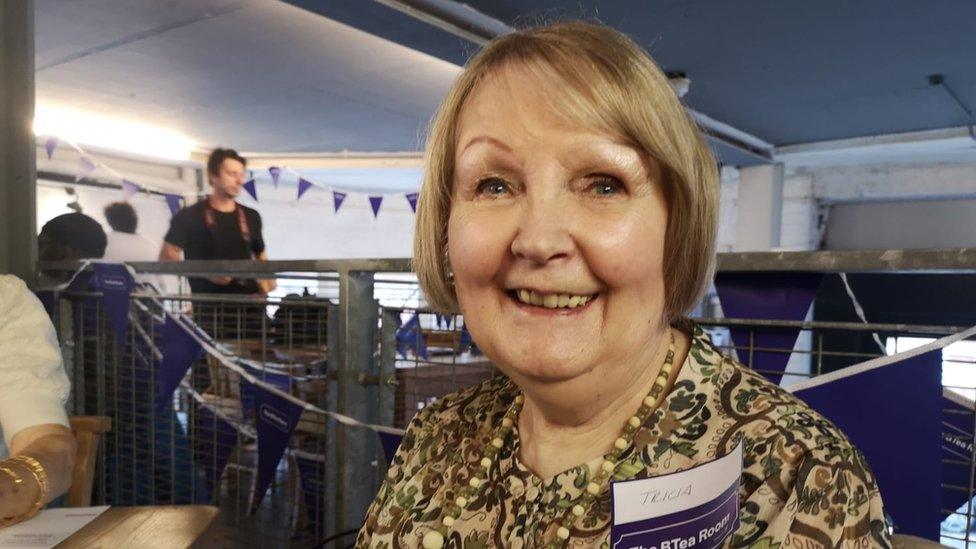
88, 431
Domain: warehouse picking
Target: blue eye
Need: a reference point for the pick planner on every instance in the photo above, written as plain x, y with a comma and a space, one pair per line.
492, 186
606, 186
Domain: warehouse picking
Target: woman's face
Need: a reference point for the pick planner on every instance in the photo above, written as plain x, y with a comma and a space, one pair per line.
556, 235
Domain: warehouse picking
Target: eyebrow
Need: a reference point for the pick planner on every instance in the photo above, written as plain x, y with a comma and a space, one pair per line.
486, 139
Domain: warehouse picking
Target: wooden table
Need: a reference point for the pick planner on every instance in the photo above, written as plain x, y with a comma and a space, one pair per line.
196, 526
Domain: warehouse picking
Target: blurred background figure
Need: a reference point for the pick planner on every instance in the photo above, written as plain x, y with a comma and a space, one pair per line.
124, 244
69, 237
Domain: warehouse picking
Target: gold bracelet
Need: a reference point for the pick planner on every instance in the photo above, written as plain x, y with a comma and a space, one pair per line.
12, 474
41, 476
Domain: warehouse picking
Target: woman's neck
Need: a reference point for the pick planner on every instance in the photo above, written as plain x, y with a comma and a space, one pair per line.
222, 203
563, 425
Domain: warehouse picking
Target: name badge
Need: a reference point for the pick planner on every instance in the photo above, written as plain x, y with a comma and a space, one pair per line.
698, 507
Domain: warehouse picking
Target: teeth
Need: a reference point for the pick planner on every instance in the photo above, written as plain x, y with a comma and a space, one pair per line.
552, 301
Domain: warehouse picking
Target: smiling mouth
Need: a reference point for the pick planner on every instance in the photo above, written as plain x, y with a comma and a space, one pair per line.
551, 301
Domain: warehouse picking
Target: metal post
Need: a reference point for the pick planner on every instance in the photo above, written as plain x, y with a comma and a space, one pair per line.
356, 448
386, 397
18, 226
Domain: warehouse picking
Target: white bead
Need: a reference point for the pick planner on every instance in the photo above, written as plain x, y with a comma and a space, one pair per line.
448, 521
433, 540
486, 463
563, 532
649, 402
461, 501
620, 444
474, 482
578, 510
506, 422
608, 466
496, 442
519, 399
593, 488
635, 421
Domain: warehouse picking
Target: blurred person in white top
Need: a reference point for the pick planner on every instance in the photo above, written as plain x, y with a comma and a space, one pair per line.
33, 392
125, 245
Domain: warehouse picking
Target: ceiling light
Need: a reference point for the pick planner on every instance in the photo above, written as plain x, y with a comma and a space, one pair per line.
86, 128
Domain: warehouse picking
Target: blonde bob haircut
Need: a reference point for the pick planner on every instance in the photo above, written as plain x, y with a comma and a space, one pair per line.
608, 83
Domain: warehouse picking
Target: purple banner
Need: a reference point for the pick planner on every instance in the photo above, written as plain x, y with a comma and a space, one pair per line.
217, 439
251, 189
390, 443
303, 186
275, 172
115, 284
174, 201
957, 449
50, 144
706, 525
180, 351
767, 296
85, 166
337, 200
129, 189
893, 414
412, 199
275, 420
374, 203
311, 472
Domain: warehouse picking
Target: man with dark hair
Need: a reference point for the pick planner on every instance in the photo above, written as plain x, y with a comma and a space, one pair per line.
123, 242
69, 237
217, 227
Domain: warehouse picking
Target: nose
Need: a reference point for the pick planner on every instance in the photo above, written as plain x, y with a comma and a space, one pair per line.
544, 231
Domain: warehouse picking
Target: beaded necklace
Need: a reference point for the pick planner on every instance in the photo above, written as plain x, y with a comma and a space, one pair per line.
434, 539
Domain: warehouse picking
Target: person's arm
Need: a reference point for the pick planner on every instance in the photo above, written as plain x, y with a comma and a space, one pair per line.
170, 252
33, 391
268, 284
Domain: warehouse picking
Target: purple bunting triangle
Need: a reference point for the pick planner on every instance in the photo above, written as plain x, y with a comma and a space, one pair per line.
957, 450
251, 189
50, 144
85, 166
115, 283
374, 203
174, 203
892, 413
275, 418
303, 185
766, 296
412, 199
311, 472
337, 199
390, 443
275, 172
217, 438
129, 189
180, 351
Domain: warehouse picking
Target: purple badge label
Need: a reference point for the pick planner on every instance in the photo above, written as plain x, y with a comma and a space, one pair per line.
698, 507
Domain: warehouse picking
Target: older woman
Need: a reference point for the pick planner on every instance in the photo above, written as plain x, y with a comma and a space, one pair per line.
568, 210
33, 391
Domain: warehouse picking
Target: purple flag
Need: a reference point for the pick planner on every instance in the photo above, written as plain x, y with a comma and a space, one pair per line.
374, 202
129, 189
303, 185
412, 199
275, 420
174, 203
390, 443
337, 199
410, 336
50, 144
275, 172
311, 472
180, 351
957, 450
892, 412
85, 166
115, 283
768, 296
216, 440
251, 189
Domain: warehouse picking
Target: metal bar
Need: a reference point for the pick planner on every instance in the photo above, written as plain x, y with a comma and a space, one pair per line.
823, 325
18, 193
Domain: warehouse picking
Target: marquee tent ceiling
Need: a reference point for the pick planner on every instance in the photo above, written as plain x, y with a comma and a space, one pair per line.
330, 75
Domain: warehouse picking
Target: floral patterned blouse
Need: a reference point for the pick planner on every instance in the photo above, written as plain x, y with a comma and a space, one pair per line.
803, 483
